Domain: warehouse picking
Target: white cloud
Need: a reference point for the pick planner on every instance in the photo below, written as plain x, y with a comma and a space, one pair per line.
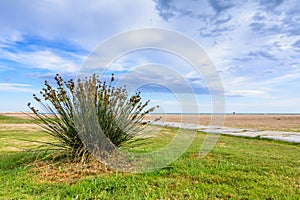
251, 43
264, 105
5, 68
44, 59
16, 87
84, 23
284, 78
245, 93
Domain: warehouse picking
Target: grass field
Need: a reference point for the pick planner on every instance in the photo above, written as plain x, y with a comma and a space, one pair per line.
237, 168
14, 120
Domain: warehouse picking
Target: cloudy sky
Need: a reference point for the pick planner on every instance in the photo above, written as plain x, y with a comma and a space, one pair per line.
254, 45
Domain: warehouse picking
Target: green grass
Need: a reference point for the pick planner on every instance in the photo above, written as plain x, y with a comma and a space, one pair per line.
237, 168
17, 140
14, 120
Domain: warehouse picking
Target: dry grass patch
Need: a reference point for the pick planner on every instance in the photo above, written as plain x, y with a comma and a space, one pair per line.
66, 171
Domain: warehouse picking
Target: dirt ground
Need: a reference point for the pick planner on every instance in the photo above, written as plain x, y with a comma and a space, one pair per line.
257, 122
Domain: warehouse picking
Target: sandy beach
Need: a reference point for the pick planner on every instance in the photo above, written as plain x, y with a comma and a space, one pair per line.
255, 121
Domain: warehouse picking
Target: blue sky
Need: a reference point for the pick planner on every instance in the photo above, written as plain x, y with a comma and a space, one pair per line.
255, 46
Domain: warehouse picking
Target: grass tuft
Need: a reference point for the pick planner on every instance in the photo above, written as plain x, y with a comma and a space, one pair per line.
89, 113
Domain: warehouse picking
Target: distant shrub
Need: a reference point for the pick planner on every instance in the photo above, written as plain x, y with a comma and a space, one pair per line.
118, 116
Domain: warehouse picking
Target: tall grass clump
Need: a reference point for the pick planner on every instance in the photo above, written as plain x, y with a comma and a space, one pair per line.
64, 113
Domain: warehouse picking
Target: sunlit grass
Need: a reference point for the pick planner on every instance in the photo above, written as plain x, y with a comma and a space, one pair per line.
237, 168
13, 120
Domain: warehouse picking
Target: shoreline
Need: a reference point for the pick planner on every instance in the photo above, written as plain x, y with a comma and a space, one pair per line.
274, 126
20, 113
271, 122
291, 137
